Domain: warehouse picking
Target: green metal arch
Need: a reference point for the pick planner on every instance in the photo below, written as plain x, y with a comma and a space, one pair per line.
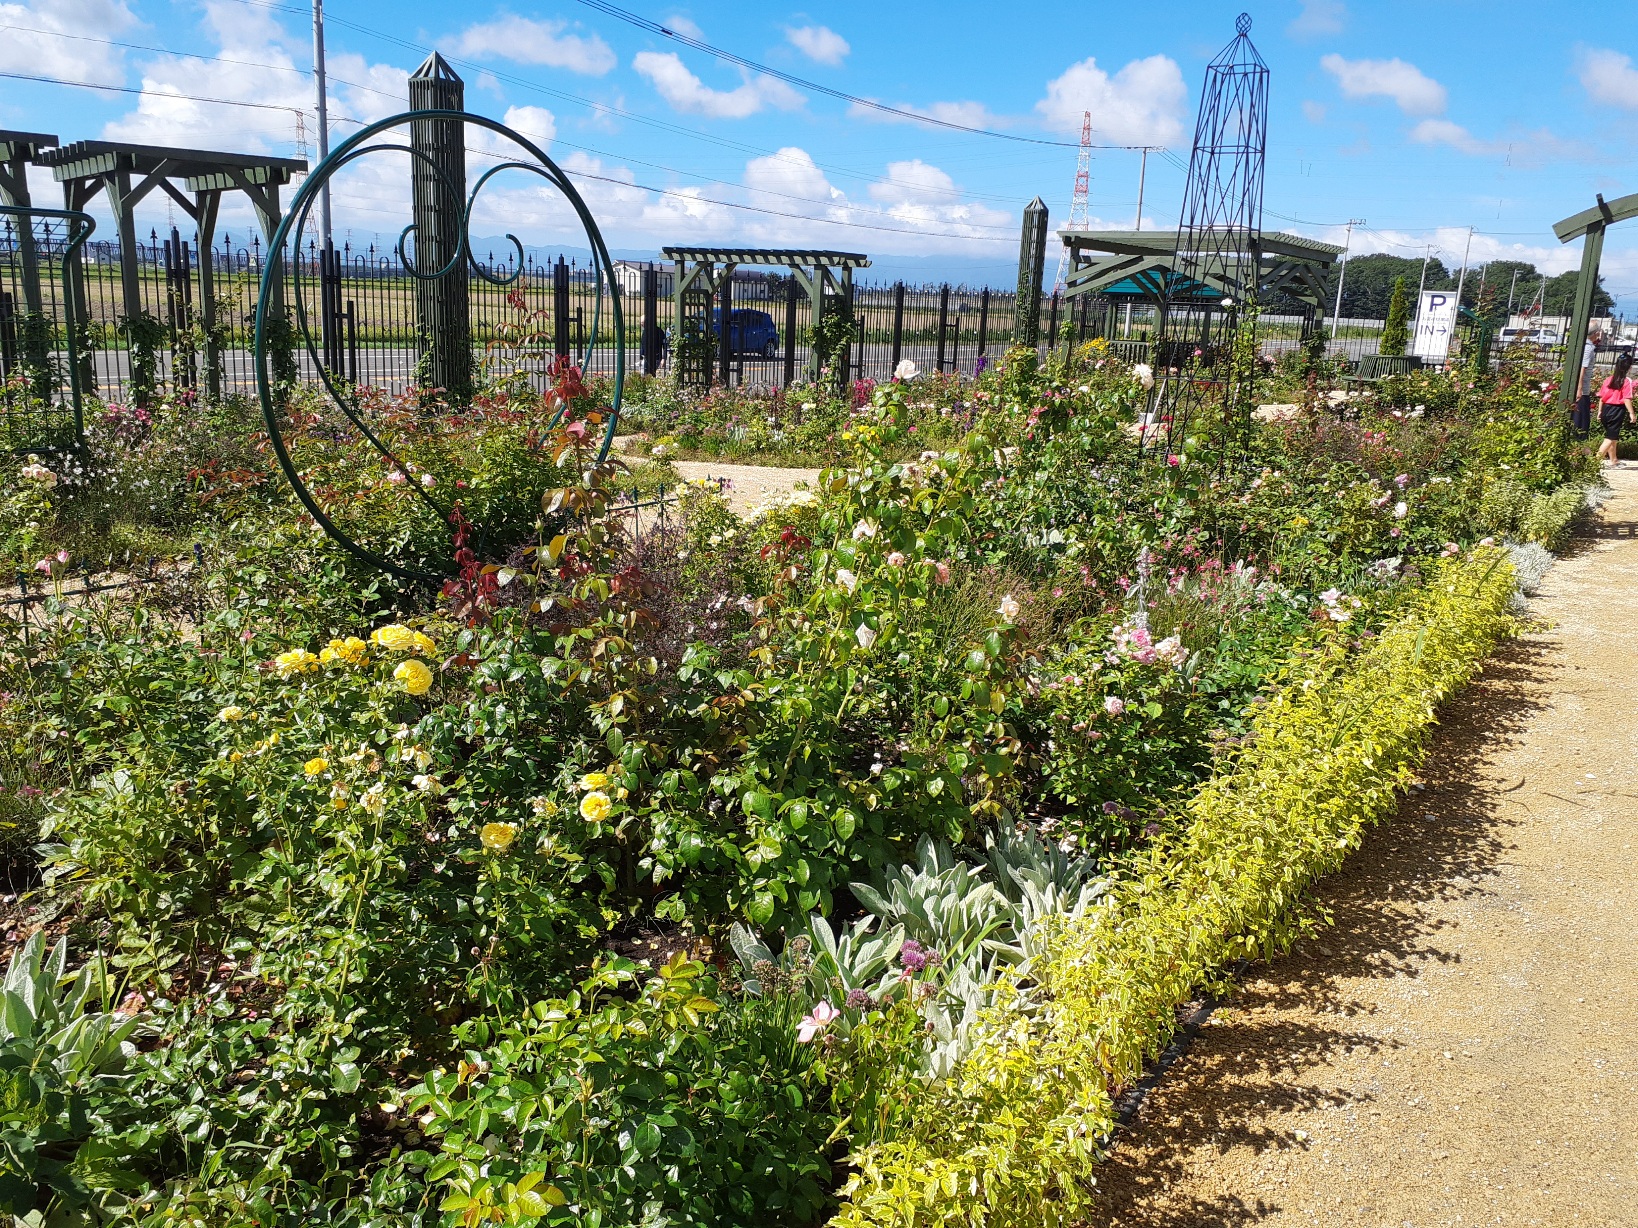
290, 232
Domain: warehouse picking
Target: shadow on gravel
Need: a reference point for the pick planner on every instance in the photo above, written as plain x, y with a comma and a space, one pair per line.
1247, 1067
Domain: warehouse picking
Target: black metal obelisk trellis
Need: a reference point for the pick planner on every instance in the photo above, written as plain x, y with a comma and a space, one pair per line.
1203, 390
1031, 271
438, 187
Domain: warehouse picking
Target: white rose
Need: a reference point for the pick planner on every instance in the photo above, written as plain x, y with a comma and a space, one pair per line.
1009, 609
865, 636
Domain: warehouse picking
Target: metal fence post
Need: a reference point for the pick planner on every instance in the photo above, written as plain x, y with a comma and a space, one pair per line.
649, 346
983, 321
898, 323
943, 323
726, 297
791, 291
560, 308
1052, 334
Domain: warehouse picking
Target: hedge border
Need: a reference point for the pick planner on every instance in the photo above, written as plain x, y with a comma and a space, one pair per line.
1014, 1138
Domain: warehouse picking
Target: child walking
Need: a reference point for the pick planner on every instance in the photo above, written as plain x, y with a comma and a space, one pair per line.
1615, 410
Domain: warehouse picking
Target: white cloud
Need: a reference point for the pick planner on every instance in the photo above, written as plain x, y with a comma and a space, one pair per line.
819, 43
1142, 104
968, 114
525, 41
684, 26
1313, 112
1610, 78
687, 93
22, 50
536, 123
1411, 90
914, 181
1318, 18
1448, 132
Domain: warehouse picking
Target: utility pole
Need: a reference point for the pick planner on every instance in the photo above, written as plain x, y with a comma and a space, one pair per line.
1462, 280
323, 119
1143, 173
1342, 273
1510, 291
1427, 254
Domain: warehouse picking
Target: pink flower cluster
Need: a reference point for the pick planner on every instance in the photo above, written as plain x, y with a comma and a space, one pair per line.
1136, 644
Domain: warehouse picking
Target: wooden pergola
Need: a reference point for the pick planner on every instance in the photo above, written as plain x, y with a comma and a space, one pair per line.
1143, 264
17, 151
705, 274
194, 178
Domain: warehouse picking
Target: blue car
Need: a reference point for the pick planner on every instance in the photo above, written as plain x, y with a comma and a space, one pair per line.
749, 332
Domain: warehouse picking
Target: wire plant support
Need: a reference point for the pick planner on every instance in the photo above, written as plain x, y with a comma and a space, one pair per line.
435, 250
1211, 296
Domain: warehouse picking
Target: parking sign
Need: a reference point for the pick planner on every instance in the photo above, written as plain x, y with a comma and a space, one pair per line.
1435, 324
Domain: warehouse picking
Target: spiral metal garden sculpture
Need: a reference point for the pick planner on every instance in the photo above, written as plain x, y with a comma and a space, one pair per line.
284, 278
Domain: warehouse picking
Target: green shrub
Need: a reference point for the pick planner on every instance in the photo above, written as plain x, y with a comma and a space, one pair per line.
1548, 518
1013, 1138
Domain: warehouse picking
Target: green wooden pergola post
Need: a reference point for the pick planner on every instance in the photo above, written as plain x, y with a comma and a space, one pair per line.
1588, 225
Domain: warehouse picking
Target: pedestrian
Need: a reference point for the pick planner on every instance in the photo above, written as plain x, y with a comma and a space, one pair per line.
1581, 419
1615, 409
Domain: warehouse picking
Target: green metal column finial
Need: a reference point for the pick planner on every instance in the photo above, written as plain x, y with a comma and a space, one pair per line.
438, 184
1031, 271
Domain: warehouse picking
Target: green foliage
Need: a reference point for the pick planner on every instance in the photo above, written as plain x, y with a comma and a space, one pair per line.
59, 1061
144, 334
1548, 518
1013, 1137
1396, 333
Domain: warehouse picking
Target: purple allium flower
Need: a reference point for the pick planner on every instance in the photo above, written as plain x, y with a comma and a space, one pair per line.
859, 1000
913, 956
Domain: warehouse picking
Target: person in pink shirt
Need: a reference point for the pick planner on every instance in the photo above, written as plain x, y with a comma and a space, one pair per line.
1615, 409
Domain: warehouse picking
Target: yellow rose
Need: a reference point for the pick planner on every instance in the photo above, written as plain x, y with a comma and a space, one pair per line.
544, 807
233, 712
498, 837
417, 678
595, 807
423, 644
296, 661
396, 637
350, 651
595, 780
316, 765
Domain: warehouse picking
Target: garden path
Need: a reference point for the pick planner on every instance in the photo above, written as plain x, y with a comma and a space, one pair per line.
749, 485
1461, 1047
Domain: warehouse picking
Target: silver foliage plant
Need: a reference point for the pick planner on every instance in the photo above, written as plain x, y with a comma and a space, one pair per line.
980, 921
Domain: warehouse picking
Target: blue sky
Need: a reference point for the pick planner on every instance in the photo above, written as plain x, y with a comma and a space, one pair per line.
1422, 119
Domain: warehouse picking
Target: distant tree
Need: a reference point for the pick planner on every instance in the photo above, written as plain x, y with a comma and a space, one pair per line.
1397, 332
1561, 296
1368, 287
1516, 276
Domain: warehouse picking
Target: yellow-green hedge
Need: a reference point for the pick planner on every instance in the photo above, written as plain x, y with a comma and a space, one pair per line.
1011, 1140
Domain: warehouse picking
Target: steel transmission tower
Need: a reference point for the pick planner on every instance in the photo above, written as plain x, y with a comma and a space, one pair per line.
1079, 216
1219, 254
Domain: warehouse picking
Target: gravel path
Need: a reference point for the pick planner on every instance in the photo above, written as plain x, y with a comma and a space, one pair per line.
749, 484
1461, 1047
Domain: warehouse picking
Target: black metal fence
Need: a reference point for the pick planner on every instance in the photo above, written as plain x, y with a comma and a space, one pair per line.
360, 305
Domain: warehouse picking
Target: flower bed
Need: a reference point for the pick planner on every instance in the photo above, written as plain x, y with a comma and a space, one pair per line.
702, 873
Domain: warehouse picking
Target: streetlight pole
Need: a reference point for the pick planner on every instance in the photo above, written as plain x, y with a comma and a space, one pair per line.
323, 119
1462, 280
1342, 273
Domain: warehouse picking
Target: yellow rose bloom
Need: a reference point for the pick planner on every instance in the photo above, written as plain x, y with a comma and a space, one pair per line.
296, 661
233, 712
423, 644
595, 780
498, 837
417, 678
350, 651
396, 637
544, 807
316, 765
595, 807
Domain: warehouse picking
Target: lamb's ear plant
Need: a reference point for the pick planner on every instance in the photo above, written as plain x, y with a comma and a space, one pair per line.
59, 1059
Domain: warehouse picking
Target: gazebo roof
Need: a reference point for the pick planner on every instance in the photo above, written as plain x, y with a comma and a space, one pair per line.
203, 169
1143, 263
783, 257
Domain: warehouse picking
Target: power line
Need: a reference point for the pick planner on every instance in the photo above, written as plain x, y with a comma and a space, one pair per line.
654, 27
132, 89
